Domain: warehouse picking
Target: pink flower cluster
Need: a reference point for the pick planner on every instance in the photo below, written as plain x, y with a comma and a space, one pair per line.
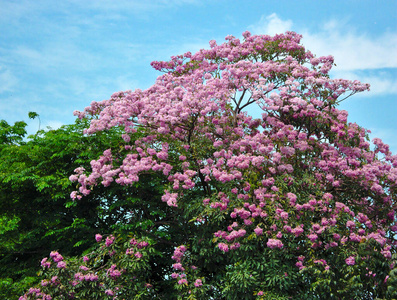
113, 273
109, 241
35, 292
274, 243
351, 261
136, 246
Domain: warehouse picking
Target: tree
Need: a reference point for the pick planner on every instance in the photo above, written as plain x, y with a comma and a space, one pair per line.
290, 204
37, 214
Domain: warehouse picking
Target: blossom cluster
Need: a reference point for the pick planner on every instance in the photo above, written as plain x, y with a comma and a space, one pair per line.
88, 271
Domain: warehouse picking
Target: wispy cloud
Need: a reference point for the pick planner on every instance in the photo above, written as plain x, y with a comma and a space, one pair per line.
15, 11
353, 52
7, 80
271, 25
382, 82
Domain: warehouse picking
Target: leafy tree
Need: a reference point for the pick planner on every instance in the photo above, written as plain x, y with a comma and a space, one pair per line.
37, 214
289, 205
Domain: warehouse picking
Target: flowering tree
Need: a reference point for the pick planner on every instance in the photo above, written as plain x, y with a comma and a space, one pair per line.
268, 191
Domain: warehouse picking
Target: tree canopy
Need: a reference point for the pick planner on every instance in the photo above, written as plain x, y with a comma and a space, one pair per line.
257, 186
37, 214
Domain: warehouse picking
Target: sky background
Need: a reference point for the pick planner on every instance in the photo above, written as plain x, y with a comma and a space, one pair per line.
59, 56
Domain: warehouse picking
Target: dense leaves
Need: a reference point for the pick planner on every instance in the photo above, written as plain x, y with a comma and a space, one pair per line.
290, 204
37, 214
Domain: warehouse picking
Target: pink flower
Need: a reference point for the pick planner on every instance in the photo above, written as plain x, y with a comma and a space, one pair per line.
56, 256
109, 292
274, 243
312, 237
258, 231
91, 277
109, 240
350, 224
98, 237
297, 231
61, 265
198, 283
178, 266
223, 247
45, 282
45, 263
142, 245
300, 265
351, 260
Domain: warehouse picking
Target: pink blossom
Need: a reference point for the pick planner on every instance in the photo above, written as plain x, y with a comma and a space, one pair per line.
274, 243
312, 237
56, 256
109, 241
198, 283
297, 231
351, 260
224, 247
129, 251
98, 237
299, 264
44, 263
178, 266
45, 282
142, 244
350, 224
258, 231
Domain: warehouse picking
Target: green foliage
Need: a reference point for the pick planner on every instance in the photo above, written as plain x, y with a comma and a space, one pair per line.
10, 135
37, 214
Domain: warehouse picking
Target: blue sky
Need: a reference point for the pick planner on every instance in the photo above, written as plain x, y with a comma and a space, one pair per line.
58, 56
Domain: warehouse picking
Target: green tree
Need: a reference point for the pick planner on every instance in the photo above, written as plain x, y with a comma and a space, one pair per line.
37, 214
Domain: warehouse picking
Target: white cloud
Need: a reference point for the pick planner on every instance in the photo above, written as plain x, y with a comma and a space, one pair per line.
14, 11
55, 55
352, 51
7, 80
355, 53
382, 83
271, 25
